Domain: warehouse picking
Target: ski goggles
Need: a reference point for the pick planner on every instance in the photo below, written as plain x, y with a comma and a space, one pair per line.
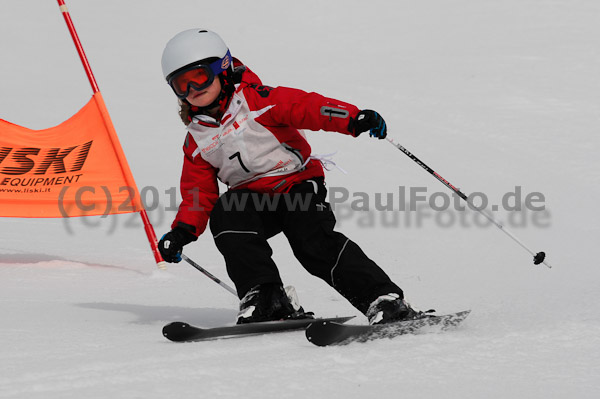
197, 76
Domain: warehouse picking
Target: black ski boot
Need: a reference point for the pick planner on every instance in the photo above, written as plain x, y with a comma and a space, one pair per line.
389, 308
267, 302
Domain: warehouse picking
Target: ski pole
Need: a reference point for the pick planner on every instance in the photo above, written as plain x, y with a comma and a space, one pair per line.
209, 275
537, 257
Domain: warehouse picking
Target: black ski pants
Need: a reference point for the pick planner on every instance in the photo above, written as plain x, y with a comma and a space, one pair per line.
242, 221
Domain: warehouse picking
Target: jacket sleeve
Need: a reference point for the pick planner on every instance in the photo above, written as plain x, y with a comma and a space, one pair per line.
284, 106
199, 191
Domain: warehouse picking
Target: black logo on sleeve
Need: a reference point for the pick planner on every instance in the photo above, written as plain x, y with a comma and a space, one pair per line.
262, 91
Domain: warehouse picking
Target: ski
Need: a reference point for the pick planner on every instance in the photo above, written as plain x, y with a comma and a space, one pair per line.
327, 332
183, 332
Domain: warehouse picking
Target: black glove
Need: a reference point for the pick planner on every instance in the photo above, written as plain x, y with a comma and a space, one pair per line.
368, 120
171, 244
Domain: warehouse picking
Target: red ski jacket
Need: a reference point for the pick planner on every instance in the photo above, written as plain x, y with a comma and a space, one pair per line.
258, 144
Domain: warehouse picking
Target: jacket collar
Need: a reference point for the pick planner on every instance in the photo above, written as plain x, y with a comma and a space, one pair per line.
235, 105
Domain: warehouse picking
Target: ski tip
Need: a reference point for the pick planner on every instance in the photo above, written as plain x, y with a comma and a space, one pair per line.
176, 324
314, 331
322, 333
173, 330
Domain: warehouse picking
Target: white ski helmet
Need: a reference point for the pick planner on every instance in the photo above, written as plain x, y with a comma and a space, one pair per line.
189, 47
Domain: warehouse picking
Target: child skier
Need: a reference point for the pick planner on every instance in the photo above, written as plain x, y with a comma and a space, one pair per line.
248, 136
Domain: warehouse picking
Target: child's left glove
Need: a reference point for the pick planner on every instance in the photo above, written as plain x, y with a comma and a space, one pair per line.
171, 244
368, 120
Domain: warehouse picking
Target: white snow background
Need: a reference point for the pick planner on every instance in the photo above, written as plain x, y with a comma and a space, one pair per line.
492, 95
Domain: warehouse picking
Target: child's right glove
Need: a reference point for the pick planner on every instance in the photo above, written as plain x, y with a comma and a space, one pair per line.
171, 244
368, 120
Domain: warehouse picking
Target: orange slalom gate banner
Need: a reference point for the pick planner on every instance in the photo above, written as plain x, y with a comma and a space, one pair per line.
74, 169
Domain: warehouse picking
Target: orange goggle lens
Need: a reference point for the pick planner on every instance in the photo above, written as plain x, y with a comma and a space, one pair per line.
198, 78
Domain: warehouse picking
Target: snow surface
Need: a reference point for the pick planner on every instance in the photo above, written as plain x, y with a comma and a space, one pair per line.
490, 94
